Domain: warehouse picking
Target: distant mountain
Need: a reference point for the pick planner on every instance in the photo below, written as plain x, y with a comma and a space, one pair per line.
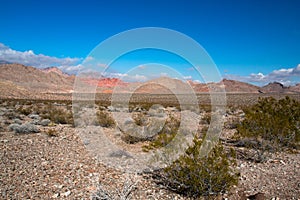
35, 80
295, 88
274, 87
230, 86
24, 81
164, 85
54, 70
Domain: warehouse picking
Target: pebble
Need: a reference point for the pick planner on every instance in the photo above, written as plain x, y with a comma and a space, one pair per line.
66, 193
55, 195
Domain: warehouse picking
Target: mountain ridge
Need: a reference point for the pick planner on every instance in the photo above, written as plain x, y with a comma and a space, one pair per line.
25, 80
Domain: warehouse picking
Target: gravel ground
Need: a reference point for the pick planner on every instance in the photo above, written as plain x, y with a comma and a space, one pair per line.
37, 166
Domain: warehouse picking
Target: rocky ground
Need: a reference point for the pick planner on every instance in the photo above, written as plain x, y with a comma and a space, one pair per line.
56, 165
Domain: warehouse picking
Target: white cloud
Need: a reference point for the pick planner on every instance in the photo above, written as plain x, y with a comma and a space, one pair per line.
163, 74
102, 65
36, 60
71, 69
89, 58
198, 81
287, 76
125, 77
187, 77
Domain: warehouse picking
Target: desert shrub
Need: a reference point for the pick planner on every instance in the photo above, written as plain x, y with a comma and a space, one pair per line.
52, 133
206, 108
57, 115
105, 120
272, 123
24, 128
108, 193
195, 176
206, 118
129, 132
140, 119
11, 114
165, 136
233, 123
131, 139
24, 110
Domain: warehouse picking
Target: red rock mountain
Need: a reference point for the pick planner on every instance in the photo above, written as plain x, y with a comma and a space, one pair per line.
19, 80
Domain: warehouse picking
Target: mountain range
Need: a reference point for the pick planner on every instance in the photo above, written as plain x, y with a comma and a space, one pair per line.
20, 81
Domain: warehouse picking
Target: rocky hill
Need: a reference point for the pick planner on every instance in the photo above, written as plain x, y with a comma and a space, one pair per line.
275, 87
18, 80
295, 88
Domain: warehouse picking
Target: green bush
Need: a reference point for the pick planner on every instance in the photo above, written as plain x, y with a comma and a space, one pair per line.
196, 176
272, 123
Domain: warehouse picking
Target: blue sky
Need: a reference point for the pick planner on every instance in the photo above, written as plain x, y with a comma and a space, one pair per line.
249, 40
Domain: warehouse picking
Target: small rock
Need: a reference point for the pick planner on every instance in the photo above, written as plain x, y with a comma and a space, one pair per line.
55, 195
45, 122
258, 196
281, 161
34, 116
18, 121
86, 142
60, 186
111, 109
66, 193
35, 122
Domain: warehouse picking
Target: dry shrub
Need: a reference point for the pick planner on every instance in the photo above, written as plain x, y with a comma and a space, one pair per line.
105, 120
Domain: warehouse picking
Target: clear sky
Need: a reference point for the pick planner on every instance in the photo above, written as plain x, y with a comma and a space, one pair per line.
250, 40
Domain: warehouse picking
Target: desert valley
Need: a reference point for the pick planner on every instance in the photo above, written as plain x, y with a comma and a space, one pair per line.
43, 155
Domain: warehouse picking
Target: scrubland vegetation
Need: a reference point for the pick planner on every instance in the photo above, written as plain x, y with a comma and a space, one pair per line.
268, 126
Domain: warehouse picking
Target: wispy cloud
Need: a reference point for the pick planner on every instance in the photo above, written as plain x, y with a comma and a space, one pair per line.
187, 77
126, 77
38, 60
287, 76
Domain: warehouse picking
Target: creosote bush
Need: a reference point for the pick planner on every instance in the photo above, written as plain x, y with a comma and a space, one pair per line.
105, 120
272, 123
52, 133
195, 176
165, 136
59, 116
140, 119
